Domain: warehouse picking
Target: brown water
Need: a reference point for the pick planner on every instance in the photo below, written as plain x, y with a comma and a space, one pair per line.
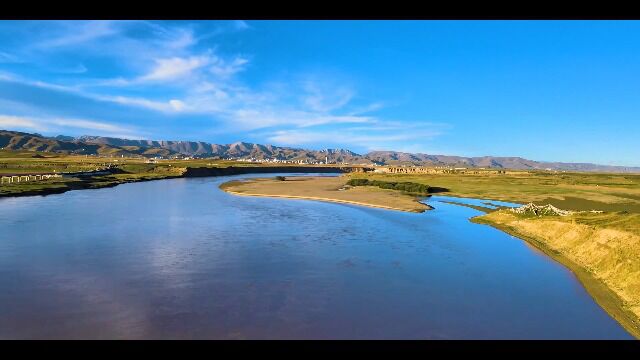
181, 259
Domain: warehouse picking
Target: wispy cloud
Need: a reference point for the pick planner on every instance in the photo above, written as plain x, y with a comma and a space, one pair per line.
77, 69
78, 32
89, 125
6, 57
241, 25
326, 99
226, 69
170, 106
376, 136
172, 68
60, 125
251, 119
180, 39
17, 122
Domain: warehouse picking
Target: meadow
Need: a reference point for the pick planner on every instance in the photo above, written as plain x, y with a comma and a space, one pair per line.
120, 170
565, 190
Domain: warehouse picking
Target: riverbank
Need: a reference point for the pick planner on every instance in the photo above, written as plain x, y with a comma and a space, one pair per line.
328, 189
602, 259
62, 185
148, 172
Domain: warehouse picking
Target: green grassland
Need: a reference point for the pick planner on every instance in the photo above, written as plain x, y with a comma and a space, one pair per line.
617, 195
29, 162
123, 170
570, 191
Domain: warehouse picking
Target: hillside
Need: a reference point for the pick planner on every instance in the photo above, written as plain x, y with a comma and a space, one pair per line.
235, 150
14, 140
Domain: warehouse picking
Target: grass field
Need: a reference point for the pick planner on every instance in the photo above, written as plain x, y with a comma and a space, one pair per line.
29, 162
571, 191
124, 170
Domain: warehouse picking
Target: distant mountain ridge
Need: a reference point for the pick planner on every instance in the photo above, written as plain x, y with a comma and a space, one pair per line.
109, 146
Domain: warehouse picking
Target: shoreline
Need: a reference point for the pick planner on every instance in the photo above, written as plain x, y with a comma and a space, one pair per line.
83, 185
608, 300
325, 200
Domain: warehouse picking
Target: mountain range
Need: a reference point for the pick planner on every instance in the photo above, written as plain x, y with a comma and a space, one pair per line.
109, 146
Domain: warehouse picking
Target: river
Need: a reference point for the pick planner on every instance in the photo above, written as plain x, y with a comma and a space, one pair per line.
179, 258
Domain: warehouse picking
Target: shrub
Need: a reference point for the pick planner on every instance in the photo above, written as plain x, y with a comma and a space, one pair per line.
408, 187
358, 182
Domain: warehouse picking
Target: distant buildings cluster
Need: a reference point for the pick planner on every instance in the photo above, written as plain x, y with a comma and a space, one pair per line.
281, 161
299, 161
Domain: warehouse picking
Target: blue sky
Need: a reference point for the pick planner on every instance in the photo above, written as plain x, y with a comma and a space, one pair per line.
555, 91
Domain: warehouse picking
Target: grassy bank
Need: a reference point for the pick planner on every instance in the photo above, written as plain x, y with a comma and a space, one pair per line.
121, 170
60, 185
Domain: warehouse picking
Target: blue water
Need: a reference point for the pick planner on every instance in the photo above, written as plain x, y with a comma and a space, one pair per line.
491, 204
181, 259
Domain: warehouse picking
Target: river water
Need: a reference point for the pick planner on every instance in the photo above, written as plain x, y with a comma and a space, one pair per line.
181, 259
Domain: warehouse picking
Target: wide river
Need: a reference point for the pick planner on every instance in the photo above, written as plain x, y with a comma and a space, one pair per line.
182, 259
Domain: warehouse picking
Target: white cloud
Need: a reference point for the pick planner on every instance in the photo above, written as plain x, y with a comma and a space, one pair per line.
325, 98
183, 39
186, 71
172, 68
9, 122
87, 124
177, 105
241, 25
77, 32
226, 69
166, 107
